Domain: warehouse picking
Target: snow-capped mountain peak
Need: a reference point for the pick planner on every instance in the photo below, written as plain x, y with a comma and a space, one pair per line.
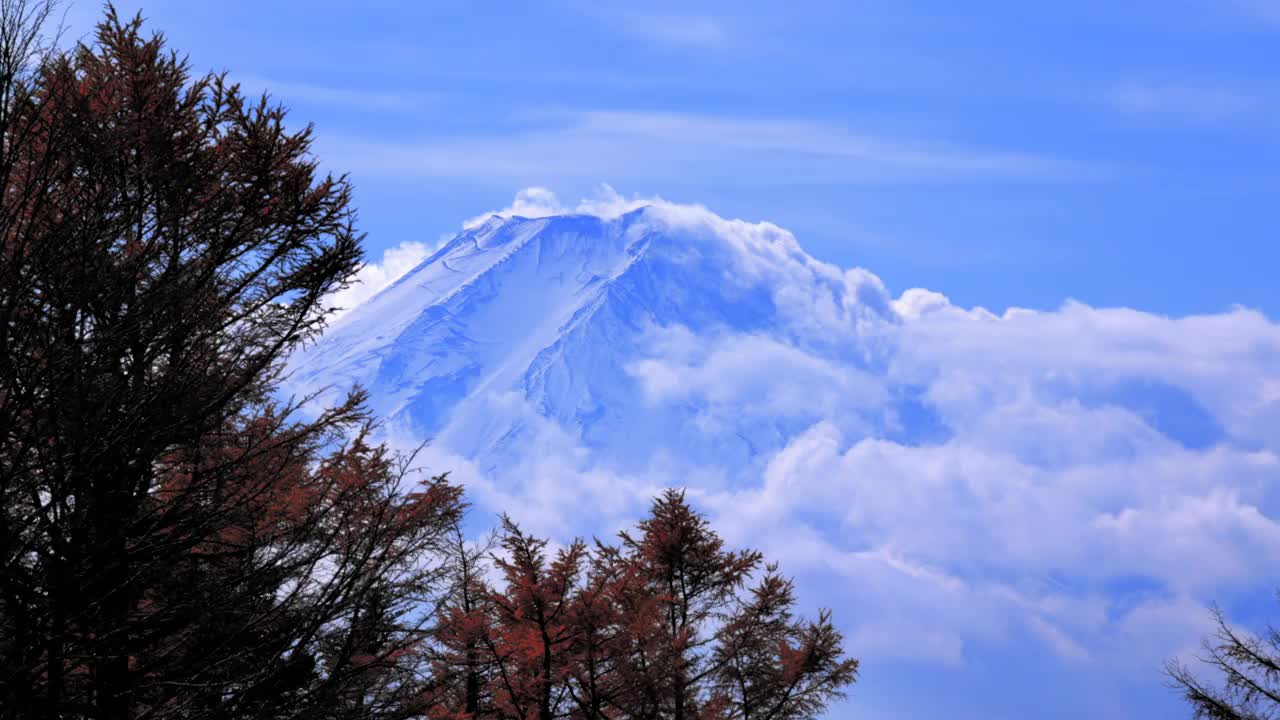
561, 314
910, 455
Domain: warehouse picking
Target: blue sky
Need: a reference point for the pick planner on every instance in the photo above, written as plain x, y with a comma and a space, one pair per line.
1007, 154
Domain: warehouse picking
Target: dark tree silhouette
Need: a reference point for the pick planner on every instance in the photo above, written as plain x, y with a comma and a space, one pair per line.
668, 624
1249, 668
173, 543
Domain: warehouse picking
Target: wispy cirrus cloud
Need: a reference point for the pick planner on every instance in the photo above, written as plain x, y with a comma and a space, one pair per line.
675, 27
345, 97
1266, 11
633, 145
1193, 100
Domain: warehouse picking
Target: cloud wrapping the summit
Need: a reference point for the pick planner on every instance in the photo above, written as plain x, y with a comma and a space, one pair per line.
539, 202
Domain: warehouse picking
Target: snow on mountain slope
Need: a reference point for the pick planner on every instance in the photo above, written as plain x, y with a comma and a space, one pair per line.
1083, 479
562, 312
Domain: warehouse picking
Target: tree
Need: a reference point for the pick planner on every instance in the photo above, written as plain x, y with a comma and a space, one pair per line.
530, 635
174, 543
1250, 667
461, 663
667, 624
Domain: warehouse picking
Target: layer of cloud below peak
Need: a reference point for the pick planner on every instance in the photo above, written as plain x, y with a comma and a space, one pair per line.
1096, 478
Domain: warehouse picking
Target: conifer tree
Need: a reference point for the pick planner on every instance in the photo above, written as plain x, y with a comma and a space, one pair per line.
666, 624
174, 543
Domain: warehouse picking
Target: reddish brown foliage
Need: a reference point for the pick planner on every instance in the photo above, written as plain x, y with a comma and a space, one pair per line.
668, 624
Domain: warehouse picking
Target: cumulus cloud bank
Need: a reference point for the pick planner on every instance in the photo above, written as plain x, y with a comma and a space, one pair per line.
1089, 478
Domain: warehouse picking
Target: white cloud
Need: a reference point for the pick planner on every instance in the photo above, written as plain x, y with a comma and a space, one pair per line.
546, 489
981, 511
752, 375
918, 302
1048, 472
962, 550
1224, 362
931, 548
1224, 538
374, 276
539, 202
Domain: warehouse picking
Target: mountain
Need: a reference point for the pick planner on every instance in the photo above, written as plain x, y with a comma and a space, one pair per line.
663, 333
1069, 485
